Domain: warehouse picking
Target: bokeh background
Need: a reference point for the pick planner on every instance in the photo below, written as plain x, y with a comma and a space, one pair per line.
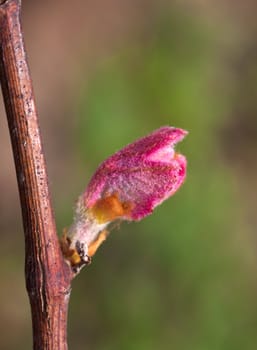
106, 73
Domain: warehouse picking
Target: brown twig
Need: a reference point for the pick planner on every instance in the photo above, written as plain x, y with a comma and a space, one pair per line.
48, 277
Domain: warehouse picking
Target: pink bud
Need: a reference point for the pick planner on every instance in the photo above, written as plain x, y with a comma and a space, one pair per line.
128, 186
143, 174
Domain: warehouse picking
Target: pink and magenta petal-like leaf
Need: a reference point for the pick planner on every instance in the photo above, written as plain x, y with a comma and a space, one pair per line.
144, 173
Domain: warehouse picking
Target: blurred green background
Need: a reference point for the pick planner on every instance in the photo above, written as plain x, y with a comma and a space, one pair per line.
106, 73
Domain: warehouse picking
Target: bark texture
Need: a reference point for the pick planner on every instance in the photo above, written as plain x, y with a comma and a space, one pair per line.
48, 277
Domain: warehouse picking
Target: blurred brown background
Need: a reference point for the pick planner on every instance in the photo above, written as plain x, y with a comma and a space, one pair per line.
105, 73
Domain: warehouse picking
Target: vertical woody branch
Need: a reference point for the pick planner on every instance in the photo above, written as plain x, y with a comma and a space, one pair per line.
48, 277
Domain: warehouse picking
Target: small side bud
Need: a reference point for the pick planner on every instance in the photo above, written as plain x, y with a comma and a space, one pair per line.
126, 186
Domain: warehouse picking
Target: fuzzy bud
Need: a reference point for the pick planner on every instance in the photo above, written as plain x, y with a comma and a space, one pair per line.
126, 186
